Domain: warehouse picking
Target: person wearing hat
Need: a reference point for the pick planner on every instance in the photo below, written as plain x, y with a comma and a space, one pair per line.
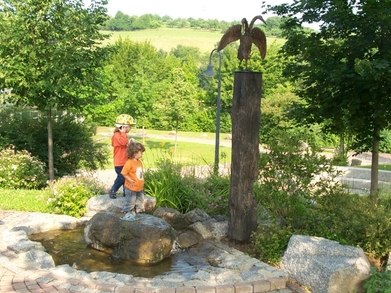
119, 142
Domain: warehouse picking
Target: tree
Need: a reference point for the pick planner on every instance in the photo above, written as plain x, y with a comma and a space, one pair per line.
343, 70
146, 21
120, 22
136, 72
185, 53
50, 55
272, 26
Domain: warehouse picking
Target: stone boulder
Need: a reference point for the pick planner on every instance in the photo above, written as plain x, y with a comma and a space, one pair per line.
105, 203
143, 240
36, 258
325, 266
173, 217
181, 221
191, 228
194, 226
356, 162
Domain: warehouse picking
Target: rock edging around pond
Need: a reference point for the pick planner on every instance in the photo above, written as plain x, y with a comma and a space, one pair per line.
229, 271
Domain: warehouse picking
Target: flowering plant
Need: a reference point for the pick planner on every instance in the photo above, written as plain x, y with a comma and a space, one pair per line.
20, 170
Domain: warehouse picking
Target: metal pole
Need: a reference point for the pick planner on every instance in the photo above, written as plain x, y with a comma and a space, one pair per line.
210, 72
218, 105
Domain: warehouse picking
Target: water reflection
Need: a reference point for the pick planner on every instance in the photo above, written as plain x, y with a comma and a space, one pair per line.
69, 247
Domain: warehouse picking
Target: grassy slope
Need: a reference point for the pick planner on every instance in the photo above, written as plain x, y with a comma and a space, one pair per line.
169, 38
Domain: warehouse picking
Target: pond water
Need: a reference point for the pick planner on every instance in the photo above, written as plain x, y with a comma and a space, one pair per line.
69, 247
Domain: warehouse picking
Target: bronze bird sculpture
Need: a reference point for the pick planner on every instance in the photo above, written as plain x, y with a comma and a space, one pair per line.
248, 35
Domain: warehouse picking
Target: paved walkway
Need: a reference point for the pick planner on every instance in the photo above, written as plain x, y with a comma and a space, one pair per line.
12, 279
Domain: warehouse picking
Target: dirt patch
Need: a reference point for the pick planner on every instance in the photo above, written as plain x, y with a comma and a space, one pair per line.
247, 248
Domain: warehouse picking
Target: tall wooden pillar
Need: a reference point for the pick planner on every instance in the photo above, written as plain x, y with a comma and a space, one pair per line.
246, 116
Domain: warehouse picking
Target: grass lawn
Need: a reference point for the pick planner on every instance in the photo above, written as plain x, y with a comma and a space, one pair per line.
185, 153
164, 146
384, 167
169, 38
24, 200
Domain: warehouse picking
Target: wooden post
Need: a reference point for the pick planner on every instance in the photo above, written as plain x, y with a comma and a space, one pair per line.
246, 116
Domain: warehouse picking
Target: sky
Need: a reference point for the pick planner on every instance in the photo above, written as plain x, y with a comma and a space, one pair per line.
228, 10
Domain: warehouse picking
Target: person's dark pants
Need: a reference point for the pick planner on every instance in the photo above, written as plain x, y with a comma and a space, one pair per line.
118, 182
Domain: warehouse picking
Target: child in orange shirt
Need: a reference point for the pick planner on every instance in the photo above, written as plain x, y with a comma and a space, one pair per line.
133, 172
119, 142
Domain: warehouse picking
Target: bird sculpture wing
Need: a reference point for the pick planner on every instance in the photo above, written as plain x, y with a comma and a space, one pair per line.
231, 35
259, 40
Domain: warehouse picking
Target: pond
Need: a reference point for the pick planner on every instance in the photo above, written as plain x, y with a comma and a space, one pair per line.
69, 247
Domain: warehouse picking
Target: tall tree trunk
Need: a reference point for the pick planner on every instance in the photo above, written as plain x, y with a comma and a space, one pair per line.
246, 114
375, 166
50, 146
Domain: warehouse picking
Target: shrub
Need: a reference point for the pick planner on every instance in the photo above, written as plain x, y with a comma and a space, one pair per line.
20, 170
74, 147
271, 241
379, 282
385, 142
71, 193
353, 220
340, 160
297, 190
212, 195
290, 179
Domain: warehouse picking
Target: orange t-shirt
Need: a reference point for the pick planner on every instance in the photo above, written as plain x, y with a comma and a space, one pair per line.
119, 141
134, 169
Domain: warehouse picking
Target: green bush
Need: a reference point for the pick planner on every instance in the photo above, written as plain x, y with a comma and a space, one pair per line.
289, 179
385, 142
20, 170
74, 147
353, 220
271, 241
294, 192
212, 195
379, 282
71, 193
340, 160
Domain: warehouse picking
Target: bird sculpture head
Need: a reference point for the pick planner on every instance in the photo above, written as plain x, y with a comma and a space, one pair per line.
247, 35
244, 25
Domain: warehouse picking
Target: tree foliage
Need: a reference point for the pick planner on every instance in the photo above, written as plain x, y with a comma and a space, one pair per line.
342, 71
50, 55
159, 89
124, 22
50, 52
75, 149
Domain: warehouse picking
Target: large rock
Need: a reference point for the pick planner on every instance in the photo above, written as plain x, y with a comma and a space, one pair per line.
143, 240
194, 226
190, 228
105, 203
181, 221
177, 220
325, 266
